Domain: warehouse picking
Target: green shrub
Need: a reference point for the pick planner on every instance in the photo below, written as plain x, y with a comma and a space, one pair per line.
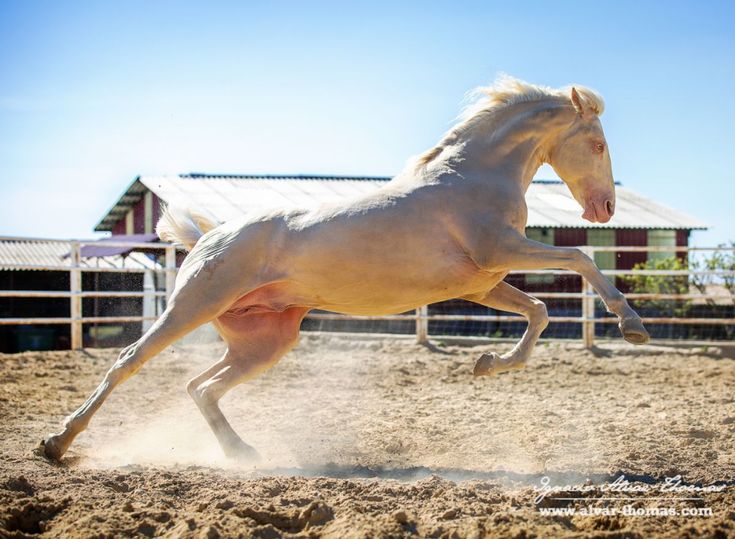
661, 284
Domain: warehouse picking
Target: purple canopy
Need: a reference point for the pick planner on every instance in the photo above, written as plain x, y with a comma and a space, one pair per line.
99, 249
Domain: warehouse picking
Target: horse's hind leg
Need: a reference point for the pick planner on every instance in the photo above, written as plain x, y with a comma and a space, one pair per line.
508, 298
255, 342
175, 322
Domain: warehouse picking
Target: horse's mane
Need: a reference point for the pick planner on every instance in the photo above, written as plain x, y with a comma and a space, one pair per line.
505, 92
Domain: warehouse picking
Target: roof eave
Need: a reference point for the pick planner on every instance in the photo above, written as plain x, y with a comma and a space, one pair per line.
107, 222
621, 227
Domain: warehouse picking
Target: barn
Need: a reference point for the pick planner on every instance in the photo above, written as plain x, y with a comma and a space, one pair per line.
554, 217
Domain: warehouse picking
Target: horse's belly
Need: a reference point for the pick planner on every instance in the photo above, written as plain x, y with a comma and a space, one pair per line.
396, 295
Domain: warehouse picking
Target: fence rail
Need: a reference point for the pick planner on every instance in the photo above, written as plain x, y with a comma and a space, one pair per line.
420, 317
76, 320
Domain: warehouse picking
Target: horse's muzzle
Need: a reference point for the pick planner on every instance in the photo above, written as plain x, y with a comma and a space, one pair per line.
599, 211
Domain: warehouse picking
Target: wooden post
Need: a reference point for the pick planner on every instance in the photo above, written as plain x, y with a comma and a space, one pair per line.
422, 325
588, 307
75, 300
170, 271
149, 299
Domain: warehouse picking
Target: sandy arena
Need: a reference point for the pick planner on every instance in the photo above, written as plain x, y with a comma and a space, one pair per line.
375, 438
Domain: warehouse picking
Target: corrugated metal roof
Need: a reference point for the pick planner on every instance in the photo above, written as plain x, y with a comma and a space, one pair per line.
32, 253
227, 196
101, 249
129, 198
550, 204
14, 253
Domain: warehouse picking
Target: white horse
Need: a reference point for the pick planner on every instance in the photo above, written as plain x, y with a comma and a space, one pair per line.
451, 225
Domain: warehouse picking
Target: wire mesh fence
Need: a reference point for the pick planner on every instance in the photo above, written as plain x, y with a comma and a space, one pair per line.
687, 295
683, 296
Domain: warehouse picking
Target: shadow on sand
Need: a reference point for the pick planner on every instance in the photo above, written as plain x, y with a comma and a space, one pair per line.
415, 473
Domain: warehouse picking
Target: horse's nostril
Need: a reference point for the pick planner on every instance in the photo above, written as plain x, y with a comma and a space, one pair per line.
609, 207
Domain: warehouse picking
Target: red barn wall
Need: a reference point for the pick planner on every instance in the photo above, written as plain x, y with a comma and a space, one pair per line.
626, 260
139, 217
570, 237
634, 237
119, 227
156, 210
682, 240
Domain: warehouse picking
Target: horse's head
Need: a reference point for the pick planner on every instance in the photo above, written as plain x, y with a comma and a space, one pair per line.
581, 159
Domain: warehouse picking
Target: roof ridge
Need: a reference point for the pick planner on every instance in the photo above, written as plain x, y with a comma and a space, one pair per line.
551, 181
204, 175
229, 176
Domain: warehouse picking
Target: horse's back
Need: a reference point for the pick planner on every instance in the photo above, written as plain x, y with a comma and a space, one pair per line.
388, 252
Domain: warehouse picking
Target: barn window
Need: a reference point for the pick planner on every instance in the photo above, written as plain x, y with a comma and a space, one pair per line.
602, 237
129, 223
661, 238
148, 212
543, 235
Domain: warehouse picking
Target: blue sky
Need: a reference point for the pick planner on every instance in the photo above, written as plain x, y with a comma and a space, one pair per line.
94, 93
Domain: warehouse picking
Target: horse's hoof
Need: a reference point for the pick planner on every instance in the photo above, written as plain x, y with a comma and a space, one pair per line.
485, 366
243, 453
633, 331
52, 448
492, 363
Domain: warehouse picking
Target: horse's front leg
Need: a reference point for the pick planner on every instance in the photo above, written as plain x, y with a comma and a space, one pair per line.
518, 252
505, 297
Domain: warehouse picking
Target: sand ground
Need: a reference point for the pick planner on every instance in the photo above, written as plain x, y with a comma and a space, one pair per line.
376, 438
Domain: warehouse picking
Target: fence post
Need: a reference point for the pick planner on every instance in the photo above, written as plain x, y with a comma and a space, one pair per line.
75, 301
149, 299
170, 271
422, 324
588, 306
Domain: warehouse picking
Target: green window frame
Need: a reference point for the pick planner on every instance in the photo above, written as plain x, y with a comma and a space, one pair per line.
661, 238
542, 235
603, 237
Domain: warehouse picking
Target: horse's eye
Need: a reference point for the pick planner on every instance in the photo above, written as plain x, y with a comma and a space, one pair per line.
599, 147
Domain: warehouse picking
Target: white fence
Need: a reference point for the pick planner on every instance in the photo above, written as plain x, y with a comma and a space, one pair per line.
588, 318
420, 317
76, 320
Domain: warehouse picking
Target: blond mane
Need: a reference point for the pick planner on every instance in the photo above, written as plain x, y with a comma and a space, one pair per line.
507, 91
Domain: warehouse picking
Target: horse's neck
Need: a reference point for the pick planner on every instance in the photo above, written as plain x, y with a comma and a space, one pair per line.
513, 145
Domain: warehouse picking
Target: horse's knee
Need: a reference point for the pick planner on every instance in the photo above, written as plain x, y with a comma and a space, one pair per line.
539, 314
125, 366
617, 303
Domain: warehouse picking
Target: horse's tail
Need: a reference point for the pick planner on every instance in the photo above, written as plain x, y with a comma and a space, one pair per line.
184, 225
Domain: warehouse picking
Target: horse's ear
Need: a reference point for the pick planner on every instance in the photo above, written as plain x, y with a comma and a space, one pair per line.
577, 101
